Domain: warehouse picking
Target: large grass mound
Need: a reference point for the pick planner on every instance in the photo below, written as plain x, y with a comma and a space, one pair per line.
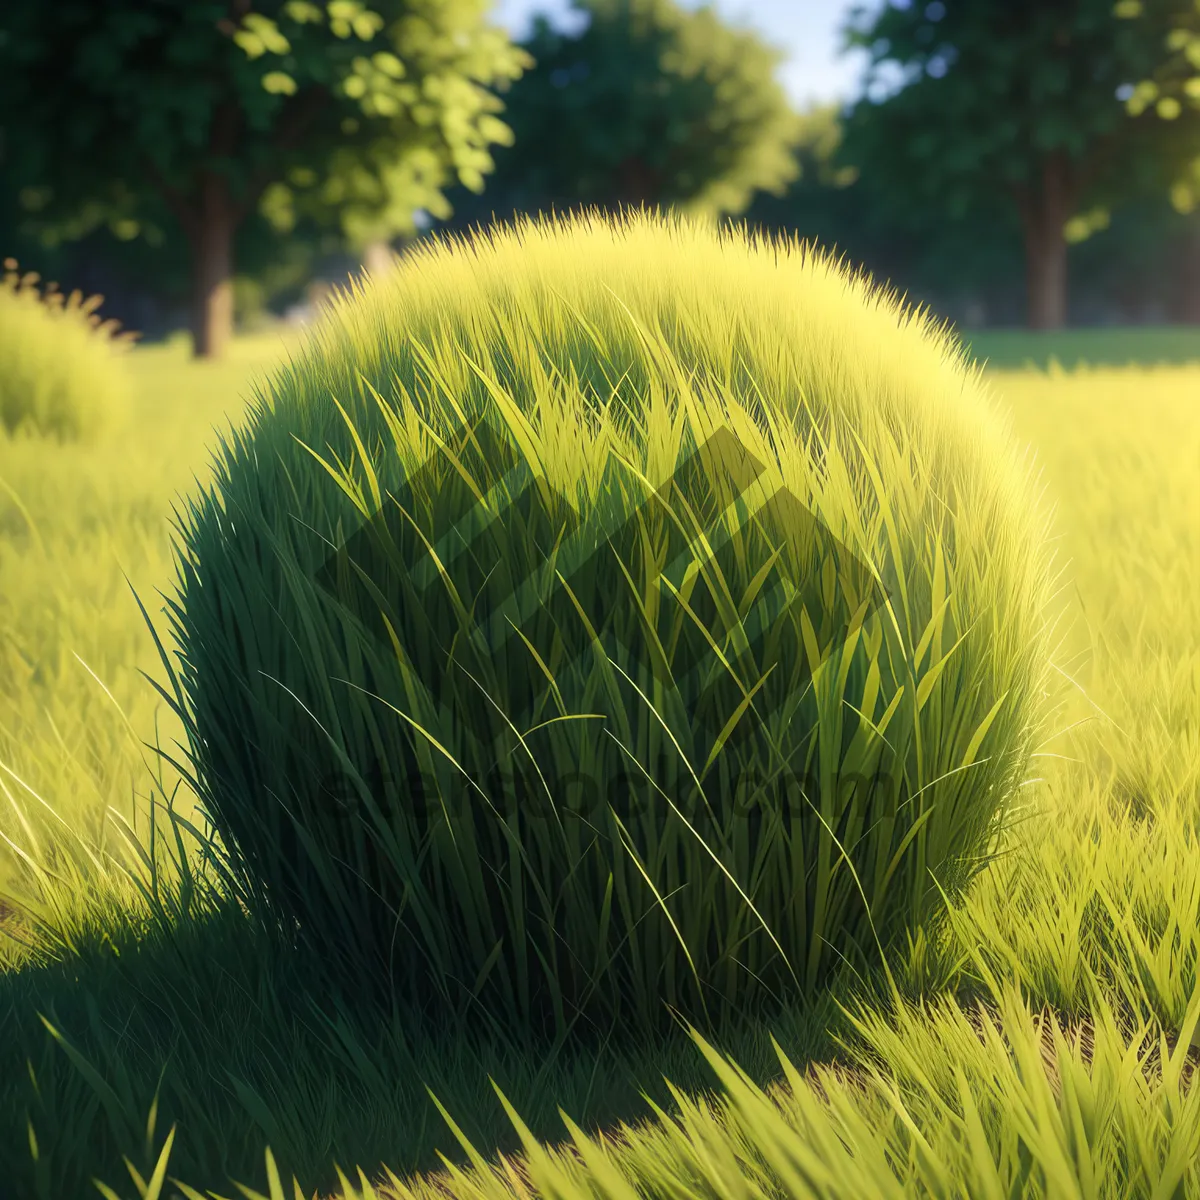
604, 616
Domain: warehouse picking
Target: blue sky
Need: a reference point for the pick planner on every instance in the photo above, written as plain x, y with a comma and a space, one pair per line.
805, 30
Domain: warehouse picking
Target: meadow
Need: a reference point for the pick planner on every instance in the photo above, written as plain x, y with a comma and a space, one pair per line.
1045, 1047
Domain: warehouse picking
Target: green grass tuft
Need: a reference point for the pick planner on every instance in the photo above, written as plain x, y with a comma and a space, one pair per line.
1081, 944
60, 375
493, 535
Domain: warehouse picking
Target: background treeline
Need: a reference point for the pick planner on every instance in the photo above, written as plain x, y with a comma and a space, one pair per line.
1021, 168
1140, 269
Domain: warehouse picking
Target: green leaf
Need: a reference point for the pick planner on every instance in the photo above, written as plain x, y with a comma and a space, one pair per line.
265, 34
251, 43
389, 64
278, 83
367, 25
303, 13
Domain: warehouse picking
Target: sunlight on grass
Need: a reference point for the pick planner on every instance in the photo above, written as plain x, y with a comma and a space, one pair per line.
75, 523
1058, 1042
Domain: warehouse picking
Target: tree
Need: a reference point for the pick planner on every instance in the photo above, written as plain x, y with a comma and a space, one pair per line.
1168, 90
649, 104
951, 264
1174, 80
138, 113
1013, 101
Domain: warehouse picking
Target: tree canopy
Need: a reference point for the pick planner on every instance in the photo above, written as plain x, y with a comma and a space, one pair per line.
138, 113
1014, 102
648, 104
1173, 85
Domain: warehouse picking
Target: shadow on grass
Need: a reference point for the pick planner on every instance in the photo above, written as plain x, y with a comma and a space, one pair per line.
244, 1045
1137, 346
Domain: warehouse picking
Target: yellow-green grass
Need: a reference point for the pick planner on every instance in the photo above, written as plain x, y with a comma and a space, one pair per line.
1115, 346
1092, 917
62, 376
598, 353
77, 521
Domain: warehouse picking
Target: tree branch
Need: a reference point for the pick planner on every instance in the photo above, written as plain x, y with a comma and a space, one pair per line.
294, 122
222, 138
175, 200
1093, 166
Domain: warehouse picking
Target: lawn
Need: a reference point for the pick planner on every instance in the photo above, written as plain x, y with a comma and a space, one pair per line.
1118, 346
1046, 1058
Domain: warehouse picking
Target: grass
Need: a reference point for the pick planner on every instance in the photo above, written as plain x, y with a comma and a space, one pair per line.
937, 703
1015, 349
62, 373
1043, 1048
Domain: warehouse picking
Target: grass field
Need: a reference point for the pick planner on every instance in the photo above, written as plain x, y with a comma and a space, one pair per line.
1016, 349
1051, 1054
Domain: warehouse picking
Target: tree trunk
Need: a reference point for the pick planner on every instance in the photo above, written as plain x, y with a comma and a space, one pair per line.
212, 270
1045, 210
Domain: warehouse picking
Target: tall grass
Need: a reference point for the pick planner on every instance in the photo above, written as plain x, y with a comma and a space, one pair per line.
79, 525
1080, 944
636, 585
60, 375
